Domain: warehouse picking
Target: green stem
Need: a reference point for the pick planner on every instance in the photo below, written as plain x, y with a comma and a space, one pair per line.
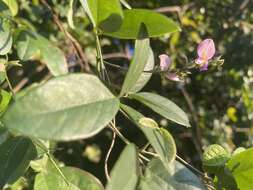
100, 61
53, 161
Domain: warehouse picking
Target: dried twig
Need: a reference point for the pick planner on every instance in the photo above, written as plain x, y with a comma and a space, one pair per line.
188, 99
73, 42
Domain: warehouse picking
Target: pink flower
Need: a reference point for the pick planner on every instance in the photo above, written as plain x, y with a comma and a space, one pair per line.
206, 51
173, 77
165, 62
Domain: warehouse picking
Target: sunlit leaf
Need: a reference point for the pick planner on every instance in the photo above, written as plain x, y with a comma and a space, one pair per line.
65, 108
241, 167
141, 57
107, 15
146, 74
5, 37
163, 106
13, 6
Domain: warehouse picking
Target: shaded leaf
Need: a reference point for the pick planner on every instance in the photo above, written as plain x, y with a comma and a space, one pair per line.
163, 106
175, 177
125, 172
155, 23
77, 179
15, 156
65, 108
160, 139
35, 46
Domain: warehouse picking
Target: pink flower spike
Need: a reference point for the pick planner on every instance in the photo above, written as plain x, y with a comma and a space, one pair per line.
165, 62
173, 77
206, 50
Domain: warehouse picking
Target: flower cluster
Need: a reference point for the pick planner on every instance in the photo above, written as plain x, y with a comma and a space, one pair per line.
205, 51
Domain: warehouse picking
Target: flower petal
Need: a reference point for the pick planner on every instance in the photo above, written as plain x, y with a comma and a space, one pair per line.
173, 77
204, 67
165, 62
206, 49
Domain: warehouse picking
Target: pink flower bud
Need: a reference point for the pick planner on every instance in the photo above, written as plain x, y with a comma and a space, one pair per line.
165, 62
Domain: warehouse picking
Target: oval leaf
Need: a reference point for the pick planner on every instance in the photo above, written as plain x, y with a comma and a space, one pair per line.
77, 180
125, 173
15, 156
156, 24
163, 106
65, 108
34, 46
215, 155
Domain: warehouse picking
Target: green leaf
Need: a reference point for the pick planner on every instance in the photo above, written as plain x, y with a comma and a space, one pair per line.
5, 37
53, 57
145, 76
163, 106
70, 14
15, 156
125, 172
13, 6
160, 139
4, 9
215, 158
175, 177
77, 179
241, 167
107, 15
238, 150
35, 46
27, 46
4, 135
70, 107
5, 98
156, 24
141, 56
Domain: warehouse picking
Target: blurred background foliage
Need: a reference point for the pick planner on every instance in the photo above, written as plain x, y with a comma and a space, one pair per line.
219, 102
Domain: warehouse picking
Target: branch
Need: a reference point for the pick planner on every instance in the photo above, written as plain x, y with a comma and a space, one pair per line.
74, 43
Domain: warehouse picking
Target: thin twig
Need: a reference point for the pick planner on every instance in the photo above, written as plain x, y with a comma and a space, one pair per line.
115, 129
188, 99
108, 155
125, 4
73, 42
